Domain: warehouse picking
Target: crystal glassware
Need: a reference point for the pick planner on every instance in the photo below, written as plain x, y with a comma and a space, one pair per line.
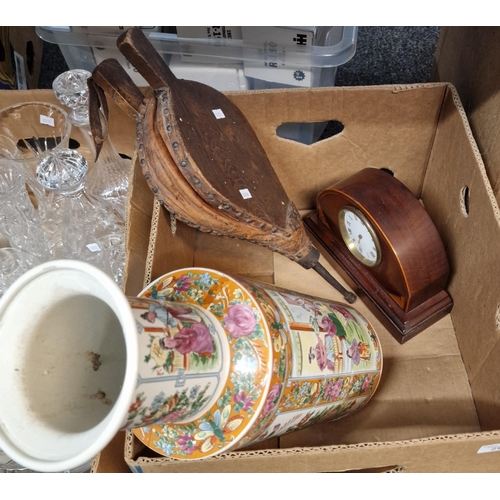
71, 89
84, 226
13, 264
109, 176
30, 130
20, 223
8, 466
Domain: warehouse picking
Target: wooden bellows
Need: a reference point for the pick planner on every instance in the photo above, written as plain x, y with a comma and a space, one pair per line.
200, 156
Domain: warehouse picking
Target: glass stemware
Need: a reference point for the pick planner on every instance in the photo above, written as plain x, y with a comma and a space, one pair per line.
20, 223
84, 226
109, 177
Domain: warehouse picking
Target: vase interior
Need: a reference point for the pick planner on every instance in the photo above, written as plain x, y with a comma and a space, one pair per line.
63, 364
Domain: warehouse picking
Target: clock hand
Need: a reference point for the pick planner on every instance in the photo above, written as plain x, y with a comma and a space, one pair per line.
358, 244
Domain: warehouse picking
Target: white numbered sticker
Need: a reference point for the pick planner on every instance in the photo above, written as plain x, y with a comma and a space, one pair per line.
94, 247
46, 120
489, 448
245, 194
218, 113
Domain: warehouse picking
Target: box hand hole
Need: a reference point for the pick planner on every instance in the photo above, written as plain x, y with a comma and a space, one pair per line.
464, 201
309, 132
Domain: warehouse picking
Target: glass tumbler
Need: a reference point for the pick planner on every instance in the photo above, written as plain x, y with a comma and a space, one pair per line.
20, 223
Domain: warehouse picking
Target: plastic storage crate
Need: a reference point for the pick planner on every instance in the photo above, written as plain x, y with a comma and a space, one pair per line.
253, 58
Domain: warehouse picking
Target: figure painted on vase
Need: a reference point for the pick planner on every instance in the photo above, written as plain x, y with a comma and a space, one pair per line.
358, 351
193, 338
324, 353
169, 315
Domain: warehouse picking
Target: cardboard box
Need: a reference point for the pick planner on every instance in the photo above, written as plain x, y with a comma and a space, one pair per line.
467, 57
437, 407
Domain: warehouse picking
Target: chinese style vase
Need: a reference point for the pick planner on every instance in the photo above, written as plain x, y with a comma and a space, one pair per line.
284, 361
199, 364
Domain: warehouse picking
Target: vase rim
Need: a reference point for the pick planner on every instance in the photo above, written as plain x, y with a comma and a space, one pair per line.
113, 421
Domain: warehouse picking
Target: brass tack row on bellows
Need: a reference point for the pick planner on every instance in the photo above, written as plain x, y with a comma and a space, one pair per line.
182, 158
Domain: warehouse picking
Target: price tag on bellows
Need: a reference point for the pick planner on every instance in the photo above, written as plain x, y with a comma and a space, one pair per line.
245, 194
218, 113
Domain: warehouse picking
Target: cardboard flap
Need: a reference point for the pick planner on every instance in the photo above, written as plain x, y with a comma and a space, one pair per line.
467, 216
384, 126
467, 57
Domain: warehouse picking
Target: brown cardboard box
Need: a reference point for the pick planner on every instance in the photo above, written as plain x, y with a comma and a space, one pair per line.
467, 57
437, 407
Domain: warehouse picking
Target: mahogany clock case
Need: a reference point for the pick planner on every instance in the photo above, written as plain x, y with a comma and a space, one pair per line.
407, 286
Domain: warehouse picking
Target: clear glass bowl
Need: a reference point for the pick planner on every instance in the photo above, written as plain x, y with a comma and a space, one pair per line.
28, 131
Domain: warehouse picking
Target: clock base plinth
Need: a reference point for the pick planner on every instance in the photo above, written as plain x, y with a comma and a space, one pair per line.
403, 325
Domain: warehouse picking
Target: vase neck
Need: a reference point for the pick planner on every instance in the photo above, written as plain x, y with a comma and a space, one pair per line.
184, 356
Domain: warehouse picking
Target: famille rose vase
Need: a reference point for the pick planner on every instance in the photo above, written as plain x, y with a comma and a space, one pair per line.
199, 364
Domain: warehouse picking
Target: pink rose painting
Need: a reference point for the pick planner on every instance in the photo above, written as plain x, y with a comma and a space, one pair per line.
333, 389
271, 397
240, 320
366, 382
194, 338
183, 283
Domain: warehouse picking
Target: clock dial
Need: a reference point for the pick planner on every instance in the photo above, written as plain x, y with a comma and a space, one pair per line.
359, 236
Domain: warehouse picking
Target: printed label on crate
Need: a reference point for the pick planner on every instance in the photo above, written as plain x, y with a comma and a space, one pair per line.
277, 46
209, 32
21, 83
219, 32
